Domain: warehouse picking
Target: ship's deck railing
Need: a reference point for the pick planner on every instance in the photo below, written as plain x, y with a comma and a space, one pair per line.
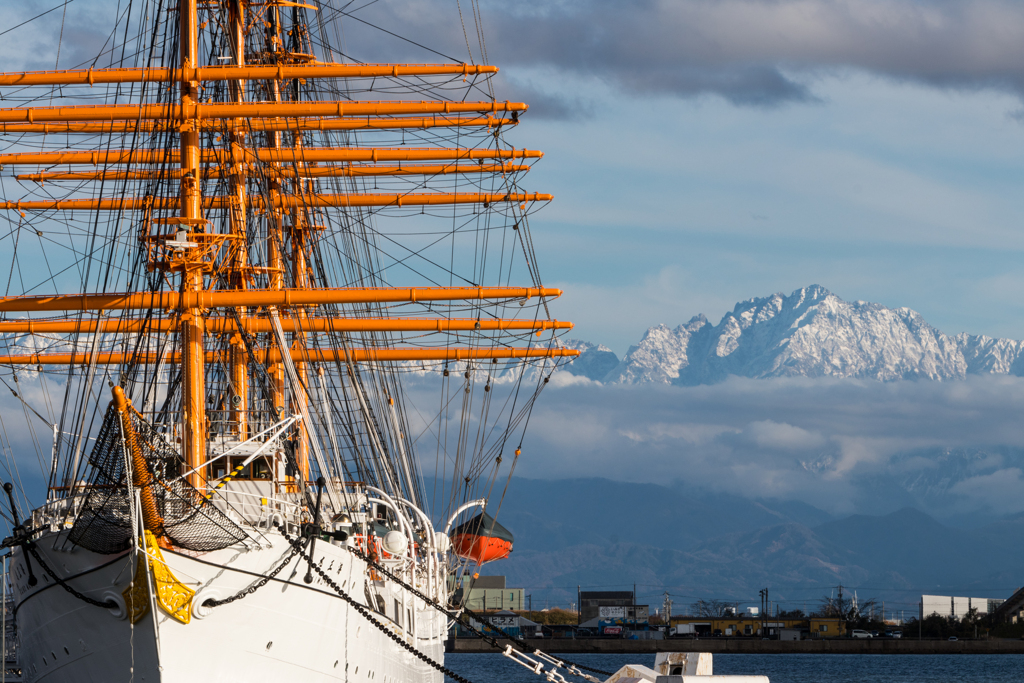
259, 510
59, 512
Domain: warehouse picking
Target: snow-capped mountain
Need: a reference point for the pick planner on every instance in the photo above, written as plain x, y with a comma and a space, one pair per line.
594, 361
810, 333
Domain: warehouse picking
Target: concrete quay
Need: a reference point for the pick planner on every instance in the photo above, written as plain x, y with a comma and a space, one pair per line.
850, 646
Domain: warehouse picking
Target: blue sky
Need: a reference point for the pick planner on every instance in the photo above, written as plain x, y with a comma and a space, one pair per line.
883, 191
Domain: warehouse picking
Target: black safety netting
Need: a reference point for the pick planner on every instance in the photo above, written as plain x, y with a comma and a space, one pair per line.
104, 523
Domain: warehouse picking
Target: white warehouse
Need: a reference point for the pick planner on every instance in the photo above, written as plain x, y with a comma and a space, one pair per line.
951, 606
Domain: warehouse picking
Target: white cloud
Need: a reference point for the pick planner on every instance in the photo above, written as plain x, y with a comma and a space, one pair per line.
782, 436
842, 445
1000, 492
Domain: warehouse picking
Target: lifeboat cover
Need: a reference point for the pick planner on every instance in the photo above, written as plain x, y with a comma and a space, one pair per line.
481, 539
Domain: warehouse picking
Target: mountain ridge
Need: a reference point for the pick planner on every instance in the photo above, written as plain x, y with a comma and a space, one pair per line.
810, 333
685, 544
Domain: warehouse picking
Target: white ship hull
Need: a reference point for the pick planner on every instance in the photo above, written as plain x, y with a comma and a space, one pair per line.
286, 631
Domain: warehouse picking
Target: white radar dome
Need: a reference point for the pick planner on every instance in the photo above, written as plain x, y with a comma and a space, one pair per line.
395, 543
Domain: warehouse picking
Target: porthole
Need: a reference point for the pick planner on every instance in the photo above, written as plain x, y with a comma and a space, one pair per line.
66, 652
335, 663
270, 645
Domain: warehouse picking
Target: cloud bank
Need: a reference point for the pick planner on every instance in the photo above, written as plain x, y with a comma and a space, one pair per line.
950, 448
750, 52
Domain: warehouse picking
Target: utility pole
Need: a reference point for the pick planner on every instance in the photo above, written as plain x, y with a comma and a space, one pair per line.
764, 607
842, 608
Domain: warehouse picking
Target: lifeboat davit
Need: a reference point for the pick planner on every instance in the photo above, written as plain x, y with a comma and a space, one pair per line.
481, 539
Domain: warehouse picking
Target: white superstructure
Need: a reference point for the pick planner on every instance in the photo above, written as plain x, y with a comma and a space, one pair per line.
284, 630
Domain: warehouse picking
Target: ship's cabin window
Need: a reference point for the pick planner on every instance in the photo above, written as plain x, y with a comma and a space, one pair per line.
257, 469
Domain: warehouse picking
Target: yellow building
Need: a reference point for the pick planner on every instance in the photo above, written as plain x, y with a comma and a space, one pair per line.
827, 627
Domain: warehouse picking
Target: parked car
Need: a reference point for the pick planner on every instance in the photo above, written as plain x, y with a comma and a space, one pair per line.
857, 633
897, 634
953, 638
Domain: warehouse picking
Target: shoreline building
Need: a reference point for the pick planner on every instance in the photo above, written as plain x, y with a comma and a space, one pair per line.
489, 593
955, 607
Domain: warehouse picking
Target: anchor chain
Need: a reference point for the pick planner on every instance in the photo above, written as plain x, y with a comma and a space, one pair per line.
109, 604
366, 613
255, 585
523, 645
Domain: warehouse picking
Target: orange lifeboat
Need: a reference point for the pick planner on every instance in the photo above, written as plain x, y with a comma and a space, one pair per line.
481, 539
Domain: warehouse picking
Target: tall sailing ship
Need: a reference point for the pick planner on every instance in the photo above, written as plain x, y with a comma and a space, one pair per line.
235, 256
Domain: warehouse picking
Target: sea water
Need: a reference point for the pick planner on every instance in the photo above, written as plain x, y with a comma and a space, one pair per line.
489, 668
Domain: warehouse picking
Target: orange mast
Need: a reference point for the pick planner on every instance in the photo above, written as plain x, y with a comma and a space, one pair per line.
193, 419
239, 199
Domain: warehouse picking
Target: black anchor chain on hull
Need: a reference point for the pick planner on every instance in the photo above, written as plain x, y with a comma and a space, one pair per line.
297, 544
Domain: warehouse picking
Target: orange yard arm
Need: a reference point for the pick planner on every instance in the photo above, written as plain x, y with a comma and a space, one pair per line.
263, 297
235, 73
345, 171
262, 325
269, 125
232, 110
298, 355
280, 201
272, 155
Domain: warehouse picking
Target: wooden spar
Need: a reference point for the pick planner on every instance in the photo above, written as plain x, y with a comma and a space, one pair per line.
192, 110
267, 155
279, 201
264, 297
238, 73
297, 355
264, 125
252, 325
286, 172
